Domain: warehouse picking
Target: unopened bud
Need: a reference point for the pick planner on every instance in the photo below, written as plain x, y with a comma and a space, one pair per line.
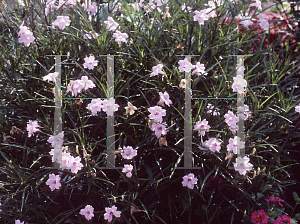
258, 170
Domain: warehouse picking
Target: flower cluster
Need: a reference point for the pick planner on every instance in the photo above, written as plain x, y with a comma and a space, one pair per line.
77, 86
108, 106
111, 25
128, 153
68, 161
274, 199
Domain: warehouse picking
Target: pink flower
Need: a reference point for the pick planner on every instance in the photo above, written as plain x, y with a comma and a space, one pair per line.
282, 220
53, 182
87, 211
247, 21
157, 70
185, 65
111, 24
95, 106
127, 169
263, 22
109, 106
200, 68
62, 22
242, 165
110, 212
297, 108
160, 129
161, 2
75, 164
189, 180
230, 118
90, 62
51, 77
157, 113
92, 8
257, 4
233, 143
56, 139
201, 125
213, 144
86, 83
18, 221
244, 112
32, 127
239, 84
90, 35
74, 87
164, 98
120, 37
26, 38
129, 152
259, 217
200, 16
240, 70
23, 29
274, 199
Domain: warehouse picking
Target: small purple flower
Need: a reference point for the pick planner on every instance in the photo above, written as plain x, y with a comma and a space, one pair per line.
90, 35
120, 37
111, 24
32, 127
127, 169
51, 77
189, 180
88, 212
62, 22
185, 65
110, 212
157, 113
164, 98
200, 16
157, 70
53, 182
90, 62
160, 129
201, 125
129, 152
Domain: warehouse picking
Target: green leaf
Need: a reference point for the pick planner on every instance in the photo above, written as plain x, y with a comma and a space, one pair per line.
296, 197
297, 216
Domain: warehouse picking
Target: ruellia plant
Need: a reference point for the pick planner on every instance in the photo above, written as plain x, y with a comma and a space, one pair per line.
162, 52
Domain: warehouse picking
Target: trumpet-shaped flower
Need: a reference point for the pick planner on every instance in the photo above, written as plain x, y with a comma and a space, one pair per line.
53, 182
17, 221
75, 87
92, 8
110, 212
243, 112
95, 106
201, 126
120, 37
263, 22
246, 21
127, 169
56, 139
109, 106
157, 70
88, 212
164, 98
90, 35
90, 62
160, 129
86, 83
233, 144
257, 4
26, 37
111, 25
32, 127
189, 180
213, 144
130, 109
200, 69
242, 165
51, 77
239, 84
201, 16
157, 113
129, 152
75, 164
185, 65
62, 22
